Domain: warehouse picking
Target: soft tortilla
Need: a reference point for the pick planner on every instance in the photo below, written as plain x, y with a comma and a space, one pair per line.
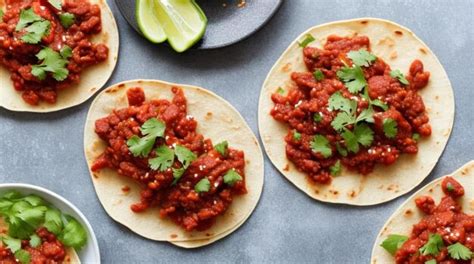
217, 120
398, 46
71, 255
92, 78
407, 215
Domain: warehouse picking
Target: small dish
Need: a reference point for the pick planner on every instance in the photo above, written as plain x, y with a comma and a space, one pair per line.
90, 253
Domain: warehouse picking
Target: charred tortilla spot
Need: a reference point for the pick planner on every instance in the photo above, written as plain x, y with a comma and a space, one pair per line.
287, 167
352, 194
408, 212
364, 22
286, 68
173, 236
398, 33
422, 50
393, 55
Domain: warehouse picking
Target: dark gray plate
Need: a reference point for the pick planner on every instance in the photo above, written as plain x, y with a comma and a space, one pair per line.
226, 25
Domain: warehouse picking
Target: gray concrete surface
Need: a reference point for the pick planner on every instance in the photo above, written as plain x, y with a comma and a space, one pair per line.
287, 226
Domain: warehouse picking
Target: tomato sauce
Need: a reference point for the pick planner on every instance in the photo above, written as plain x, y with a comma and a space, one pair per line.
446, 219
51, 250
308, 96
18, 56
180, 202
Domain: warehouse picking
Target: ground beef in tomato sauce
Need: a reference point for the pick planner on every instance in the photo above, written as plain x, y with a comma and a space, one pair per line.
50, 251
180, 202
446, 219
18, 57
308, 96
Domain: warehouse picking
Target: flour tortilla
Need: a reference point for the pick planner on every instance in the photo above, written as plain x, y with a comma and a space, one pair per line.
217, 120
398, 46
92, 79
407, 215
71, 255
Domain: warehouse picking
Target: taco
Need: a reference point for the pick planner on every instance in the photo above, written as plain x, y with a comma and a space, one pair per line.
172, 162
349, 98
435, 225
54, 54
33, 231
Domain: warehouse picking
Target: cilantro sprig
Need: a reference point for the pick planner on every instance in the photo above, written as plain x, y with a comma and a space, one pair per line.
433, 246
52, 62
397, 74
151, 130
25, 214
353, 78
320, 144
390, 128
308, 39
164, 158
458, 251
222, 148
204, 185
35, 26
231, 177
393, 242
361, 57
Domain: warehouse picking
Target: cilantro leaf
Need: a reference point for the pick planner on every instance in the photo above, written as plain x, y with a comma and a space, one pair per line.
11, 195
231, 177
350, 140
164, 158
296, 135
390, 128
353, 78
317, 117
151, 129
433, 246
1, 15
397, 74
335, 169
33, 216
431, 261
338, 102
416, 137
27, 16
66, 52
459, 251
74, 235
366, 115
52, 62
34, 200
36, 31
56, 4
342, 151
204, 185
280, 90
67, 19
361, 57
23, 256
318, 75
18, 228
177, 174
364, 135
308, 39
393, 243
35, 240
379, 103
52, 221
12, 243
341, 120
320, 144
222, 148
184, 155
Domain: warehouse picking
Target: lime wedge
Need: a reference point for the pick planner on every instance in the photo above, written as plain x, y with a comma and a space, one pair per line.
183, 22
148, 22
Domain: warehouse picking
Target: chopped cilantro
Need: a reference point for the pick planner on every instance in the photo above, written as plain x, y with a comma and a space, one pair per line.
364, 135
27, 16
33, 216
280, 90
73, 235
335, 169
231, 177
204, 185
222, 148
341, 120
308, 39
177, 174
459, 251
151, 129
1, 15
433, 246
296, 135
366, 115
397, 74
67, 19
431, 261
53, 222
23, 256
35, 32
361, 57
52, 62
184, 155
35, 240
318, 75
320, 144
342, 151
56, 4
449, 187
379, 103
393, 243
353, 78
164, 158
350, 140
390, 128
12, 243
416, 137
338, 102
317, 117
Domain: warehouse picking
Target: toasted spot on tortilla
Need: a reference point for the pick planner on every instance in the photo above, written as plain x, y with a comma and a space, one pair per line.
430, 190
352, 194
126, 189
386, 41
393, 187
364, 22
393, 55
93, 89
335, 192
398, 33
115, 88
286, 68
96, 176
208, 115
287, 167
422, 50
465, 171
380, 186
208, 234
173, 236
316, 191
408, 212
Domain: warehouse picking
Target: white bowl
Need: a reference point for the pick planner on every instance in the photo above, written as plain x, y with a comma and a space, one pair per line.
90, 252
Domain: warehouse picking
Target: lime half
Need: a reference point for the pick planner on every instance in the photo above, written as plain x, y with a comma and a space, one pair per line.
183, 22
148, 22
